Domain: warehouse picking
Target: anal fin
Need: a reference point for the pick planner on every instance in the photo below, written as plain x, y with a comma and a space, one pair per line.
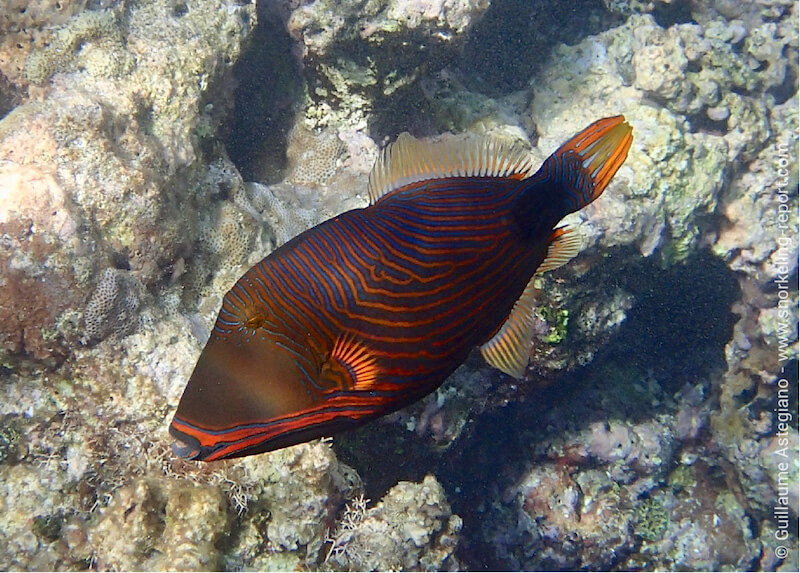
509, 349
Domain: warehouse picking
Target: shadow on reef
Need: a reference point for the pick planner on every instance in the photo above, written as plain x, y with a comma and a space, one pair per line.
681, 321
515, 37
498, 56
268, 90
384, 454
674, 337
405, 107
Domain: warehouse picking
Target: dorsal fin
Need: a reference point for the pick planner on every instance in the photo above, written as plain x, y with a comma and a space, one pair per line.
409, 160
508, 350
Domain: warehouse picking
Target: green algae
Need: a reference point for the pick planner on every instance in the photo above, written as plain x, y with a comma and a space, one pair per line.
651, 519
557, 319
9, 442
48, 527
682, 478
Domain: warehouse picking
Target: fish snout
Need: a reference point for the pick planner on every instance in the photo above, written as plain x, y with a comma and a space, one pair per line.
185, 446
184, 450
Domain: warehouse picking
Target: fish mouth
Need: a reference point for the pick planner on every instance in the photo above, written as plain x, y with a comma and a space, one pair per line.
185, 446
185, 450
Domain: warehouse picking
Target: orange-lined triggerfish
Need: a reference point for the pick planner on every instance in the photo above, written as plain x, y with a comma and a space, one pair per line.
373, 309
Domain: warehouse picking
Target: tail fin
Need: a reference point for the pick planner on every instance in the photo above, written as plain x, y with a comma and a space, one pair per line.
585, 164
574, 176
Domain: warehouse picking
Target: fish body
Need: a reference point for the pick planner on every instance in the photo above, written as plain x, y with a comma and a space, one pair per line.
375, 308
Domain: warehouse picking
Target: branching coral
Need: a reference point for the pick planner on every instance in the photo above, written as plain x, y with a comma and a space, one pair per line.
411, 528
354, 513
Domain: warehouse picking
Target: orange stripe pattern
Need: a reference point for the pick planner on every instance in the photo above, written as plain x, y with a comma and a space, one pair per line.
373, 309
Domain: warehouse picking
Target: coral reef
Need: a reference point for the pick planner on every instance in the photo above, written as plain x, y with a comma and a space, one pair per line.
684, 188
410, 529
98, 173
617, 493
344, 83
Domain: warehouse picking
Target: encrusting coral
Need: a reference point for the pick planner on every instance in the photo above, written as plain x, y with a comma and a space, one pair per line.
25, 26
314, 156
113, 306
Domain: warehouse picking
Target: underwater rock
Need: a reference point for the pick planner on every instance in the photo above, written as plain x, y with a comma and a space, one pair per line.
627, 7
750, 241
441, 417
751, 14
705, 528
611, 504
108, 160
759, 207
411, 529
160, 524
301, 492
39, 223
563, 522
287, 500
671, 180
391, 36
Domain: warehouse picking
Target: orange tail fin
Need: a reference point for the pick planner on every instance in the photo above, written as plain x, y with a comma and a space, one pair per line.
574, 176
585, 164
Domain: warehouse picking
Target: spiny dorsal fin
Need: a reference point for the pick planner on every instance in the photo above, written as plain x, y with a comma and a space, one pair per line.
508, 350
565, 243
409, 160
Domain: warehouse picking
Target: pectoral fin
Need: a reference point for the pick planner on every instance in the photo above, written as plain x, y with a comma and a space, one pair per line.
351, 365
